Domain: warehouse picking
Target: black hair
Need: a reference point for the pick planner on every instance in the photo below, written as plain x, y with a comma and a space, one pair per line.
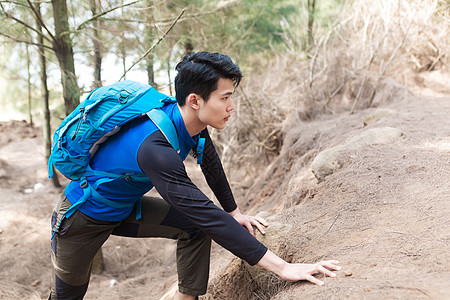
199, 73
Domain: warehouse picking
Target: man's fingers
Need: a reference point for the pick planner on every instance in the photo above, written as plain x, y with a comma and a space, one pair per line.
325, 271
260, 227
262, 221
313, 279
331, 264
249, 227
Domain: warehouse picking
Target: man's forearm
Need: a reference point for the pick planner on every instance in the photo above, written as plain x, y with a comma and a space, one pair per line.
273, 263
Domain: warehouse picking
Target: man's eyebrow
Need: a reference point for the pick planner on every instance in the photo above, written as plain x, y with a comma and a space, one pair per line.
228, 93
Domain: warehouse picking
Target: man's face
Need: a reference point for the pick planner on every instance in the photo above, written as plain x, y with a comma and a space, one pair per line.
216, 111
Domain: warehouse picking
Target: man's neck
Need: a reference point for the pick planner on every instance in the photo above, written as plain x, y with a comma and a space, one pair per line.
191, 121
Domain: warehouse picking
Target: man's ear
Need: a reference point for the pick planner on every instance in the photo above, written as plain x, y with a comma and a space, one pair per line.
193, 101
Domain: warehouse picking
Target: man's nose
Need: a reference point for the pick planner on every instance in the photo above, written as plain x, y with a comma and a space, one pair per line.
231, 106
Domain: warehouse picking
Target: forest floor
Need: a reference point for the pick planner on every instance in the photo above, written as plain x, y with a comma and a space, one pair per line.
385, 214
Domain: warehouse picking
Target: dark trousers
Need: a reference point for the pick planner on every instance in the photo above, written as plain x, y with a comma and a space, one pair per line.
79, 238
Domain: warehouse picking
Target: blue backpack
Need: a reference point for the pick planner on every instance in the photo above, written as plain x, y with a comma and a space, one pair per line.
95, 119
101, 115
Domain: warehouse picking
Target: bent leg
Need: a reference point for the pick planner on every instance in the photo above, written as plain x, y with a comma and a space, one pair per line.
159, 219
73, 248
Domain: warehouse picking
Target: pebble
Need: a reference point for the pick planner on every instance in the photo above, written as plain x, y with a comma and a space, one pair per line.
36, 282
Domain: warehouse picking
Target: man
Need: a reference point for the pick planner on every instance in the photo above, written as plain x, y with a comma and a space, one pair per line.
204, 85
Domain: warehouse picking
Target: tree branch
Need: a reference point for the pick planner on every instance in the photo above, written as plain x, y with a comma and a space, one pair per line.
39, 19
154, 45
104, 13
26, 25
15, 3
168, 21
23, 41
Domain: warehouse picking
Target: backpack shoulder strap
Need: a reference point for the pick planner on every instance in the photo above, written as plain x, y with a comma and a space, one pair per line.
165, 125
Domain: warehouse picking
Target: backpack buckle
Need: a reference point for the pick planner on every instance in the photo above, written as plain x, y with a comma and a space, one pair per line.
123, 96
84, 183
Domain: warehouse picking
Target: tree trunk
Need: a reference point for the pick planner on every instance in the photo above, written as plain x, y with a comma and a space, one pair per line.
149, 59
189, 47
151, 71
168, 75
123, 54
64, 52
169, 68
46, 127
97, 48
311, 12
29, 86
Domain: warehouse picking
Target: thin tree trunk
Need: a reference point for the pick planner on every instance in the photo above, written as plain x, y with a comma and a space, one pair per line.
64, 52
97, 48
148, 40
189, 47
311, 13
46, 127
169, 57
124, 62
30, 116
151, 71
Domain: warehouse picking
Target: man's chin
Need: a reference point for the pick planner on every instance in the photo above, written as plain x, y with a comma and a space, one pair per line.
219, 127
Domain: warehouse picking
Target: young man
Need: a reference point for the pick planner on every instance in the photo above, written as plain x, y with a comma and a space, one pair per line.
204, 85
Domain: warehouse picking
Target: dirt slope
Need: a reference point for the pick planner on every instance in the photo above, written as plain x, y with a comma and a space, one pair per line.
384, 214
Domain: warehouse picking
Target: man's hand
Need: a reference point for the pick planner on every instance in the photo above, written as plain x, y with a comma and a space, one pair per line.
248, 221
295, 272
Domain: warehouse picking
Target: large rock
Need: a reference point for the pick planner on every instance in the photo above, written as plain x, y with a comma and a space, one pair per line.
376, 136
378, 115
327, 161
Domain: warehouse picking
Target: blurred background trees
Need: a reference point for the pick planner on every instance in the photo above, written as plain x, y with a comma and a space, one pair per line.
307, 56
85, 39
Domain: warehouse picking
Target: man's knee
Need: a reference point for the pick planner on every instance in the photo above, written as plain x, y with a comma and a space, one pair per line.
197, 234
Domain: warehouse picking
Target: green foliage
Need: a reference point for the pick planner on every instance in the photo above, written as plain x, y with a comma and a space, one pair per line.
247, 30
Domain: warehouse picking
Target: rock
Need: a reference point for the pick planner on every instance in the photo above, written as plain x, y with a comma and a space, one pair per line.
348, 273
36, 282
377, 115
327, 161
385, 135
113, 282
38, 186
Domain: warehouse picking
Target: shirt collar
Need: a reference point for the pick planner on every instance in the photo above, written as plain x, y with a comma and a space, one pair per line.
183, 134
